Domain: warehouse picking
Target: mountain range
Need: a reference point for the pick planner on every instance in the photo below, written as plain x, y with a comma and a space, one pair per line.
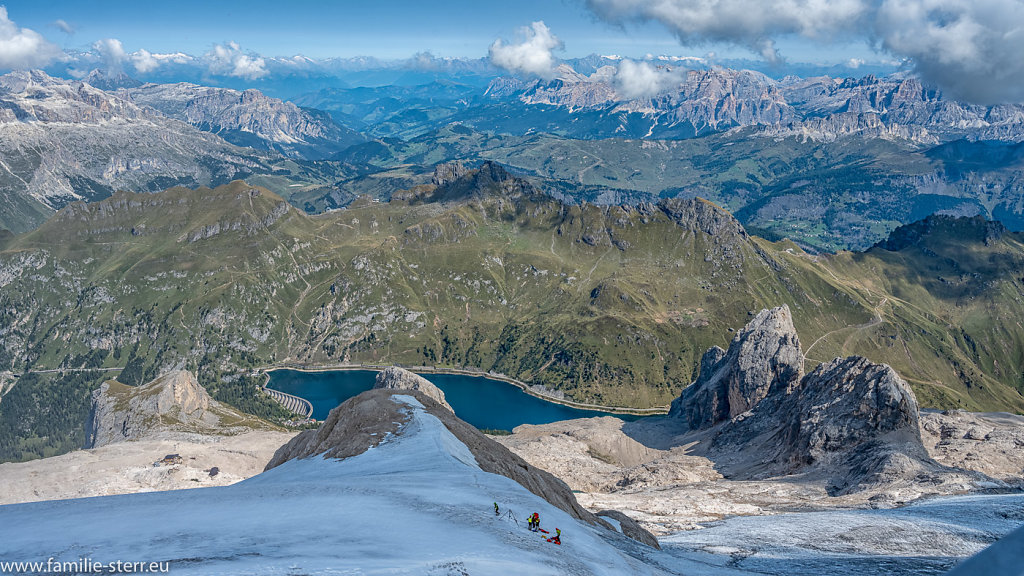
611, 305
829, 163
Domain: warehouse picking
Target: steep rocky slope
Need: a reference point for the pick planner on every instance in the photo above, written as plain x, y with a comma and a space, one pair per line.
249, 118
697, 102
851, 420
173, 405
418, 502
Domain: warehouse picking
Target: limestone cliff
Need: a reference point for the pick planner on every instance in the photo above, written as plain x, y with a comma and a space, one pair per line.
851, 421
173, 405
764, 357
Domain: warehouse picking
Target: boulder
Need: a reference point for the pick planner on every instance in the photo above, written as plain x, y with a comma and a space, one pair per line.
395, 378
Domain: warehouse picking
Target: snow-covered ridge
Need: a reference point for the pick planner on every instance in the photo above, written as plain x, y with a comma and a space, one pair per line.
416, 503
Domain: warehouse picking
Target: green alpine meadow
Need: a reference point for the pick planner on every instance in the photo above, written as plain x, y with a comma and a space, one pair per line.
611, 306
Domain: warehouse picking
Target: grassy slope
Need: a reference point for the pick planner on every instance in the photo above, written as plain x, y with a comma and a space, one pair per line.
611, 305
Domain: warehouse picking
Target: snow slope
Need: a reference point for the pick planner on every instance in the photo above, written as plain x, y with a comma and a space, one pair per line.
929, 537
416, 504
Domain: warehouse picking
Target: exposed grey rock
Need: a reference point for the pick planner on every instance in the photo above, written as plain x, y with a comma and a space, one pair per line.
990, 443
630, 528
116, 144
763, 357
447, 172
850, 421
848, 401
395, 378
249, 118
108, 80
172, 404
819, 108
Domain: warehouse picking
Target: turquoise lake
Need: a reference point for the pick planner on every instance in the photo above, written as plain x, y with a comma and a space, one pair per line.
483, 402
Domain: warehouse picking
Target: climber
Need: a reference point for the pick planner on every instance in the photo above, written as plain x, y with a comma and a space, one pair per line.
496, 512
529, 522
557, 538
536, 522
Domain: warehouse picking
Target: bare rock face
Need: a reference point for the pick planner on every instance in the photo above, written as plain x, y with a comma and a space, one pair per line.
849, 400
991, 443
448, 172
366, 420
395, 378
174, 404
764, 357
852, 422
630, 528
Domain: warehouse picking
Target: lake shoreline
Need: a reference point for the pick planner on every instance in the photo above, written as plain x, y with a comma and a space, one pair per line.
661, 411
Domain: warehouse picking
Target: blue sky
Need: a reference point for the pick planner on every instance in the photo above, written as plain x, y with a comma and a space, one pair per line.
383, 28
968, 48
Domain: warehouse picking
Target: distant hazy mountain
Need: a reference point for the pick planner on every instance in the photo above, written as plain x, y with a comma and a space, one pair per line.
249, 118
823, 108
62, 141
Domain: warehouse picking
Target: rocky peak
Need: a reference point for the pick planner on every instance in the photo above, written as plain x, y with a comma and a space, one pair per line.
241, 116
845, 401
173, 405
490, 180
763, 358
699, 214
108, 80
940, 229
34, 96
178, 390
395, 378
447, 172
852, 420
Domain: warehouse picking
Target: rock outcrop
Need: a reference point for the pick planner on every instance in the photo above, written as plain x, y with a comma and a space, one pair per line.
173, 405
395, 378
630, 528
372, 417
851, 421
448, 172
763, 358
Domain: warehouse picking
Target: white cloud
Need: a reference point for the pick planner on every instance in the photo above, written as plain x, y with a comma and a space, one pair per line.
531, 56
644, 80
750, 23
64, 27
970, 48
144, 62
23, 48
114, 57
112, 52
229, 60
173, 57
